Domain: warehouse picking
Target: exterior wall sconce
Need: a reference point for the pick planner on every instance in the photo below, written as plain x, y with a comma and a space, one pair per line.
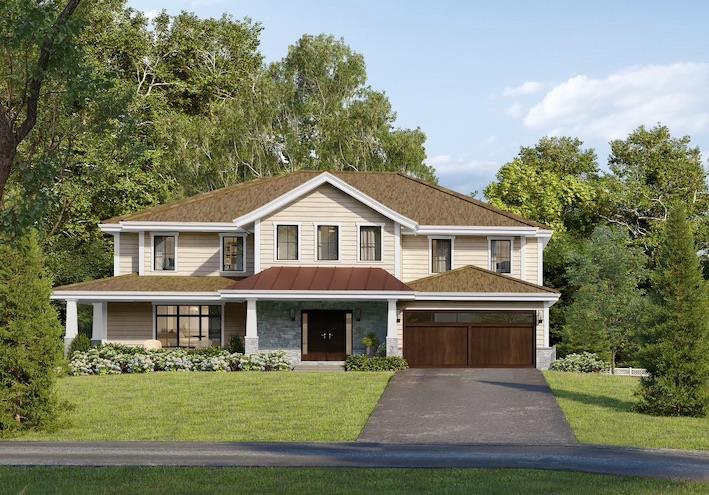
292, 314
358, 314
540, 317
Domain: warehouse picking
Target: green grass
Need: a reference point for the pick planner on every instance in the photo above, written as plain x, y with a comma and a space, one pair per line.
599, 409
117, 480
246, 406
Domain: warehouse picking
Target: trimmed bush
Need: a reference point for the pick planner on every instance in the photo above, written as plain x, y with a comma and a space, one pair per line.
81, 343
366, 363
236, 345
113, 359
584, 362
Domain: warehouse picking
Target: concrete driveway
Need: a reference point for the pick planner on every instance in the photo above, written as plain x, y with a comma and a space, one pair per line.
468, 406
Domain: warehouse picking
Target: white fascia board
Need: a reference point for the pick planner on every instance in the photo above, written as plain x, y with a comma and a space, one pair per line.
131, 226
475, 231
544, 236
486, 296
131, 296
314, 183
345, 295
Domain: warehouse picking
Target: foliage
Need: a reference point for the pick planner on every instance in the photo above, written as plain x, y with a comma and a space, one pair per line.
677, 351
236, 345
370, 341
30, 338
81, 343
367, 363
608, 307
113, 359
584, 362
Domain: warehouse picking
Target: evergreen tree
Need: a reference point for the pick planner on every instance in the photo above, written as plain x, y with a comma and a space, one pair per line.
30, 338
677, 353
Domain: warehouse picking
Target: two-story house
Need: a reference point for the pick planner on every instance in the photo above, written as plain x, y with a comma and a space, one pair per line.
311, 262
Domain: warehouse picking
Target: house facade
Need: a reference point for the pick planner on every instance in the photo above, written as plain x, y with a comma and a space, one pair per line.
311, 262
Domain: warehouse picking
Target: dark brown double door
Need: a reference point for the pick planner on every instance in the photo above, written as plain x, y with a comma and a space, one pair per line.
474, 346
326, 335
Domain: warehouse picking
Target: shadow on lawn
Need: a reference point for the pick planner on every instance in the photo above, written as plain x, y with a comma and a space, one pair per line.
595, 400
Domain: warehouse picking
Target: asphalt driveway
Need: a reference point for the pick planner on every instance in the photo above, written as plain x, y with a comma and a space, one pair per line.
468, 406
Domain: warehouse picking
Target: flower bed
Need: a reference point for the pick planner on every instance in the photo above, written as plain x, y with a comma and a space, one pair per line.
112, 359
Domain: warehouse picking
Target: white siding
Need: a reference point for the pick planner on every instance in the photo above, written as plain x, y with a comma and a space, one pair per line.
128, 253
530, 271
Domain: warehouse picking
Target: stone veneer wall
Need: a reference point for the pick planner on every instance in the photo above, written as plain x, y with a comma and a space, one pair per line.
276, 331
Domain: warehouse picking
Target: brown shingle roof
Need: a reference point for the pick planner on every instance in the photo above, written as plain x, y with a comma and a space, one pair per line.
319, 278
425, 203
152, 283
473, 279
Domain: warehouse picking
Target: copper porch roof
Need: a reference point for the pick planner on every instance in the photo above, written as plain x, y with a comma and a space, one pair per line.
303, 278
472, 279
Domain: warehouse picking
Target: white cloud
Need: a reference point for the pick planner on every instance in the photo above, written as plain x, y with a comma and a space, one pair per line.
611, 107
463, 173
526, 88
516, 110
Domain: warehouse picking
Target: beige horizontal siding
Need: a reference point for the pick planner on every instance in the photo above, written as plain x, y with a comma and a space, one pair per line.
234, 321
530, 270
128, 253
327, 205
130, 323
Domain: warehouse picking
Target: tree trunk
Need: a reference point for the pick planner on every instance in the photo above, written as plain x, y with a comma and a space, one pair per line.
613, 362
7, 157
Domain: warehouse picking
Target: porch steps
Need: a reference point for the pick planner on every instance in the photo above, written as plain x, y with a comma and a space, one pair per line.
311, 366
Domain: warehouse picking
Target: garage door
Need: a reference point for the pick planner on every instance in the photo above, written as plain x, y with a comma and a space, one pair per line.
476, 339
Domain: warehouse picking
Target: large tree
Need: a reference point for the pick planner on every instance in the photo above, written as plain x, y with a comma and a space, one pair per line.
677, 351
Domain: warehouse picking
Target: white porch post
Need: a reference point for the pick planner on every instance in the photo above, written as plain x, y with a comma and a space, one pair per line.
546, 327
99, 329
72, 324
392, 339
251, 340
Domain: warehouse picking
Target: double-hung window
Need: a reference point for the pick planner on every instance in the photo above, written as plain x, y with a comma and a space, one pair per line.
441, 255
370, 243
232, 253
287, 242
164, 253
501, 256
328, 242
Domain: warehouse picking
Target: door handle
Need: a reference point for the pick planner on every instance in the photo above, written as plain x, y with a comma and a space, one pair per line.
323, 335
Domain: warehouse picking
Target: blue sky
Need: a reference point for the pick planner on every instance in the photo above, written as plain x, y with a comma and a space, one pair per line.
484, 78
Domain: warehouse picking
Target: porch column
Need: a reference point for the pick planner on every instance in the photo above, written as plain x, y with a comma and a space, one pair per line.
392, 339
546, 327
72, 324
99, 329
251, 339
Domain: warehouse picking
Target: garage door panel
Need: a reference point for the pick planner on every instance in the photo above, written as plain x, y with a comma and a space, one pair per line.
501, 346
436, 346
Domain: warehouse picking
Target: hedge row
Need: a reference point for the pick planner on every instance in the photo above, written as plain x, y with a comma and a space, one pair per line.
366, 363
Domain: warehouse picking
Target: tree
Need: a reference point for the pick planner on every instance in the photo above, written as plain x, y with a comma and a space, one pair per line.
677, 351
30, 338
36, 41
606, 312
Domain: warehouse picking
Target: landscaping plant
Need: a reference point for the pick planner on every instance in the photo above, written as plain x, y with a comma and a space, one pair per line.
584, 362
81, 343
677, 350
371, 342
367, 363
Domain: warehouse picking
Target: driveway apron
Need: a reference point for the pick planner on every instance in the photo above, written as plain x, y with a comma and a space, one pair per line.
468, 406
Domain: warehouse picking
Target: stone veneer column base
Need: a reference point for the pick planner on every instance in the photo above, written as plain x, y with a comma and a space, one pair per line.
250, 345
393, 346
545, 356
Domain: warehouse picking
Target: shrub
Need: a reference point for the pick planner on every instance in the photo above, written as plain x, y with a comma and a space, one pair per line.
81, 344
584, 362
381, 350
236, 345
366, 363
371, 342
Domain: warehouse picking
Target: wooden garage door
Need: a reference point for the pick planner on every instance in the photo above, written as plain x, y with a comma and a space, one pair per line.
456, 344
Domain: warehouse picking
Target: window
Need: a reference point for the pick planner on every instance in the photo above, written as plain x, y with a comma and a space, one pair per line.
233, 254
328, 238
287, 240
440, 255
164, 253
370, 243
501, 256
184, 326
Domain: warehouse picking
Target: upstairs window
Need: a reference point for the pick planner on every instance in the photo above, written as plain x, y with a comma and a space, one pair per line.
287, 242
328, 238
501, 256
370, 243
164, 253
233, 254
441, 255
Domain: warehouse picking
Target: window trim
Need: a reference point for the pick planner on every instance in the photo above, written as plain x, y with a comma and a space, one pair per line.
359, 240
153, 235
512, 251
222, 310
222, 235
275, 242
316, 225
430, 252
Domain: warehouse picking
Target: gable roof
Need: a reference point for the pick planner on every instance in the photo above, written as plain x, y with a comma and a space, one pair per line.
420, 201
472, 279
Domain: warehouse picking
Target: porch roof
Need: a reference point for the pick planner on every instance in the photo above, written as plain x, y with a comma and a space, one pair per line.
312, 278
153, 283
472, 279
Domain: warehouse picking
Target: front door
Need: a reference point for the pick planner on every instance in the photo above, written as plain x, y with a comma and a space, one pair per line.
326, 335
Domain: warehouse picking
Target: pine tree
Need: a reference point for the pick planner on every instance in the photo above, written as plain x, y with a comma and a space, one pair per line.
30, 338
677, 354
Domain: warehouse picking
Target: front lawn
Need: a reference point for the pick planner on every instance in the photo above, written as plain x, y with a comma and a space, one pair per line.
153, 481
241, 406
598, 407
